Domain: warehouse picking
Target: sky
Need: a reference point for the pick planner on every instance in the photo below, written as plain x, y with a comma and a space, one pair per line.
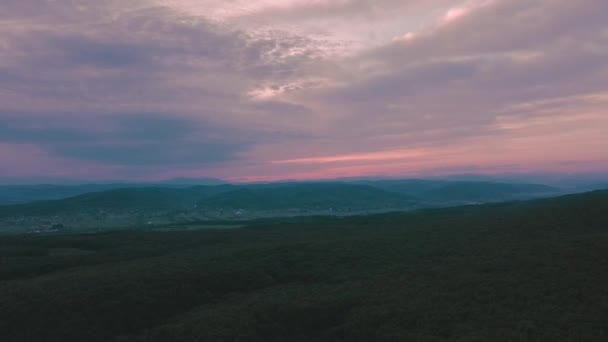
263, 90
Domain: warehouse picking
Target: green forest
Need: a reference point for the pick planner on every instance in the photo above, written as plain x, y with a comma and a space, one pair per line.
521, 271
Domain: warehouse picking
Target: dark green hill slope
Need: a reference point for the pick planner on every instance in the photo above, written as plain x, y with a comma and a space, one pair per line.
309, 196
526, 271
273, 196
11, 194
412, 187
464, 191
487, 192
118, 200
15, 194
301, 196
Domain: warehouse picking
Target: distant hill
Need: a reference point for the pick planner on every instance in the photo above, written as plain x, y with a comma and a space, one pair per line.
309, 196
14, 194
192, 181
487, 192
363, 195
118, 200
465, 191
412, 187
10, 194
600, 186
313, 196
436, 190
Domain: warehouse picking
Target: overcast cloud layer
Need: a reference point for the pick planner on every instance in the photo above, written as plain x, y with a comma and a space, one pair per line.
269, 89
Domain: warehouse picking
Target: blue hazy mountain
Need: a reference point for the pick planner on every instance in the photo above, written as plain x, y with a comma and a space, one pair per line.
309, 196
465, 191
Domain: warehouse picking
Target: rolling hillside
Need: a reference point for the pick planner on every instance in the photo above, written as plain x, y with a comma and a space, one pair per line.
345, 197
487, 192
309, 196
525, 271
118, 200
411, 187
321, 196
463, 191
17, 194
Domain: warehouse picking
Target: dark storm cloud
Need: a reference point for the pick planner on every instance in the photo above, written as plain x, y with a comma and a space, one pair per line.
126, 138
83, 51
71, 82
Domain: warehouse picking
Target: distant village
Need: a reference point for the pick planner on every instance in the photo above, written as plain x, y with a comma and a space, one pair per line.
105, 220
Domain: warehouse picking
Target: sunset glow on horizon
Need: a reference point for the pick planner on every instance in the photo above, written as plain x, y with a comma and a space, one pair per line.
267, 90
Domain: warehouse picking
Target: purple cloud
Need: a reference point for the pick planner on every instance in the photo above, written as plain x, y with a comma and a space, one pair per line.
156, 88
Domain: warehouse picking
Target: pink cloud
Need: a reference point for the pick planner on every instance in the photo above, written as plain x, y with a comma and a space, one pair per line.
260, 95
374, 156
454, 14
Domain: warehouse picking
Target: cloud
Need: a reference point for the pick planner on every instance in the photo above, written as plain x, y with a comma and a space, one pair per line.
453, 84
300, 10
298, 88
117, 47
87, 52
385, 155
75, 82
465, 72
126, 138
